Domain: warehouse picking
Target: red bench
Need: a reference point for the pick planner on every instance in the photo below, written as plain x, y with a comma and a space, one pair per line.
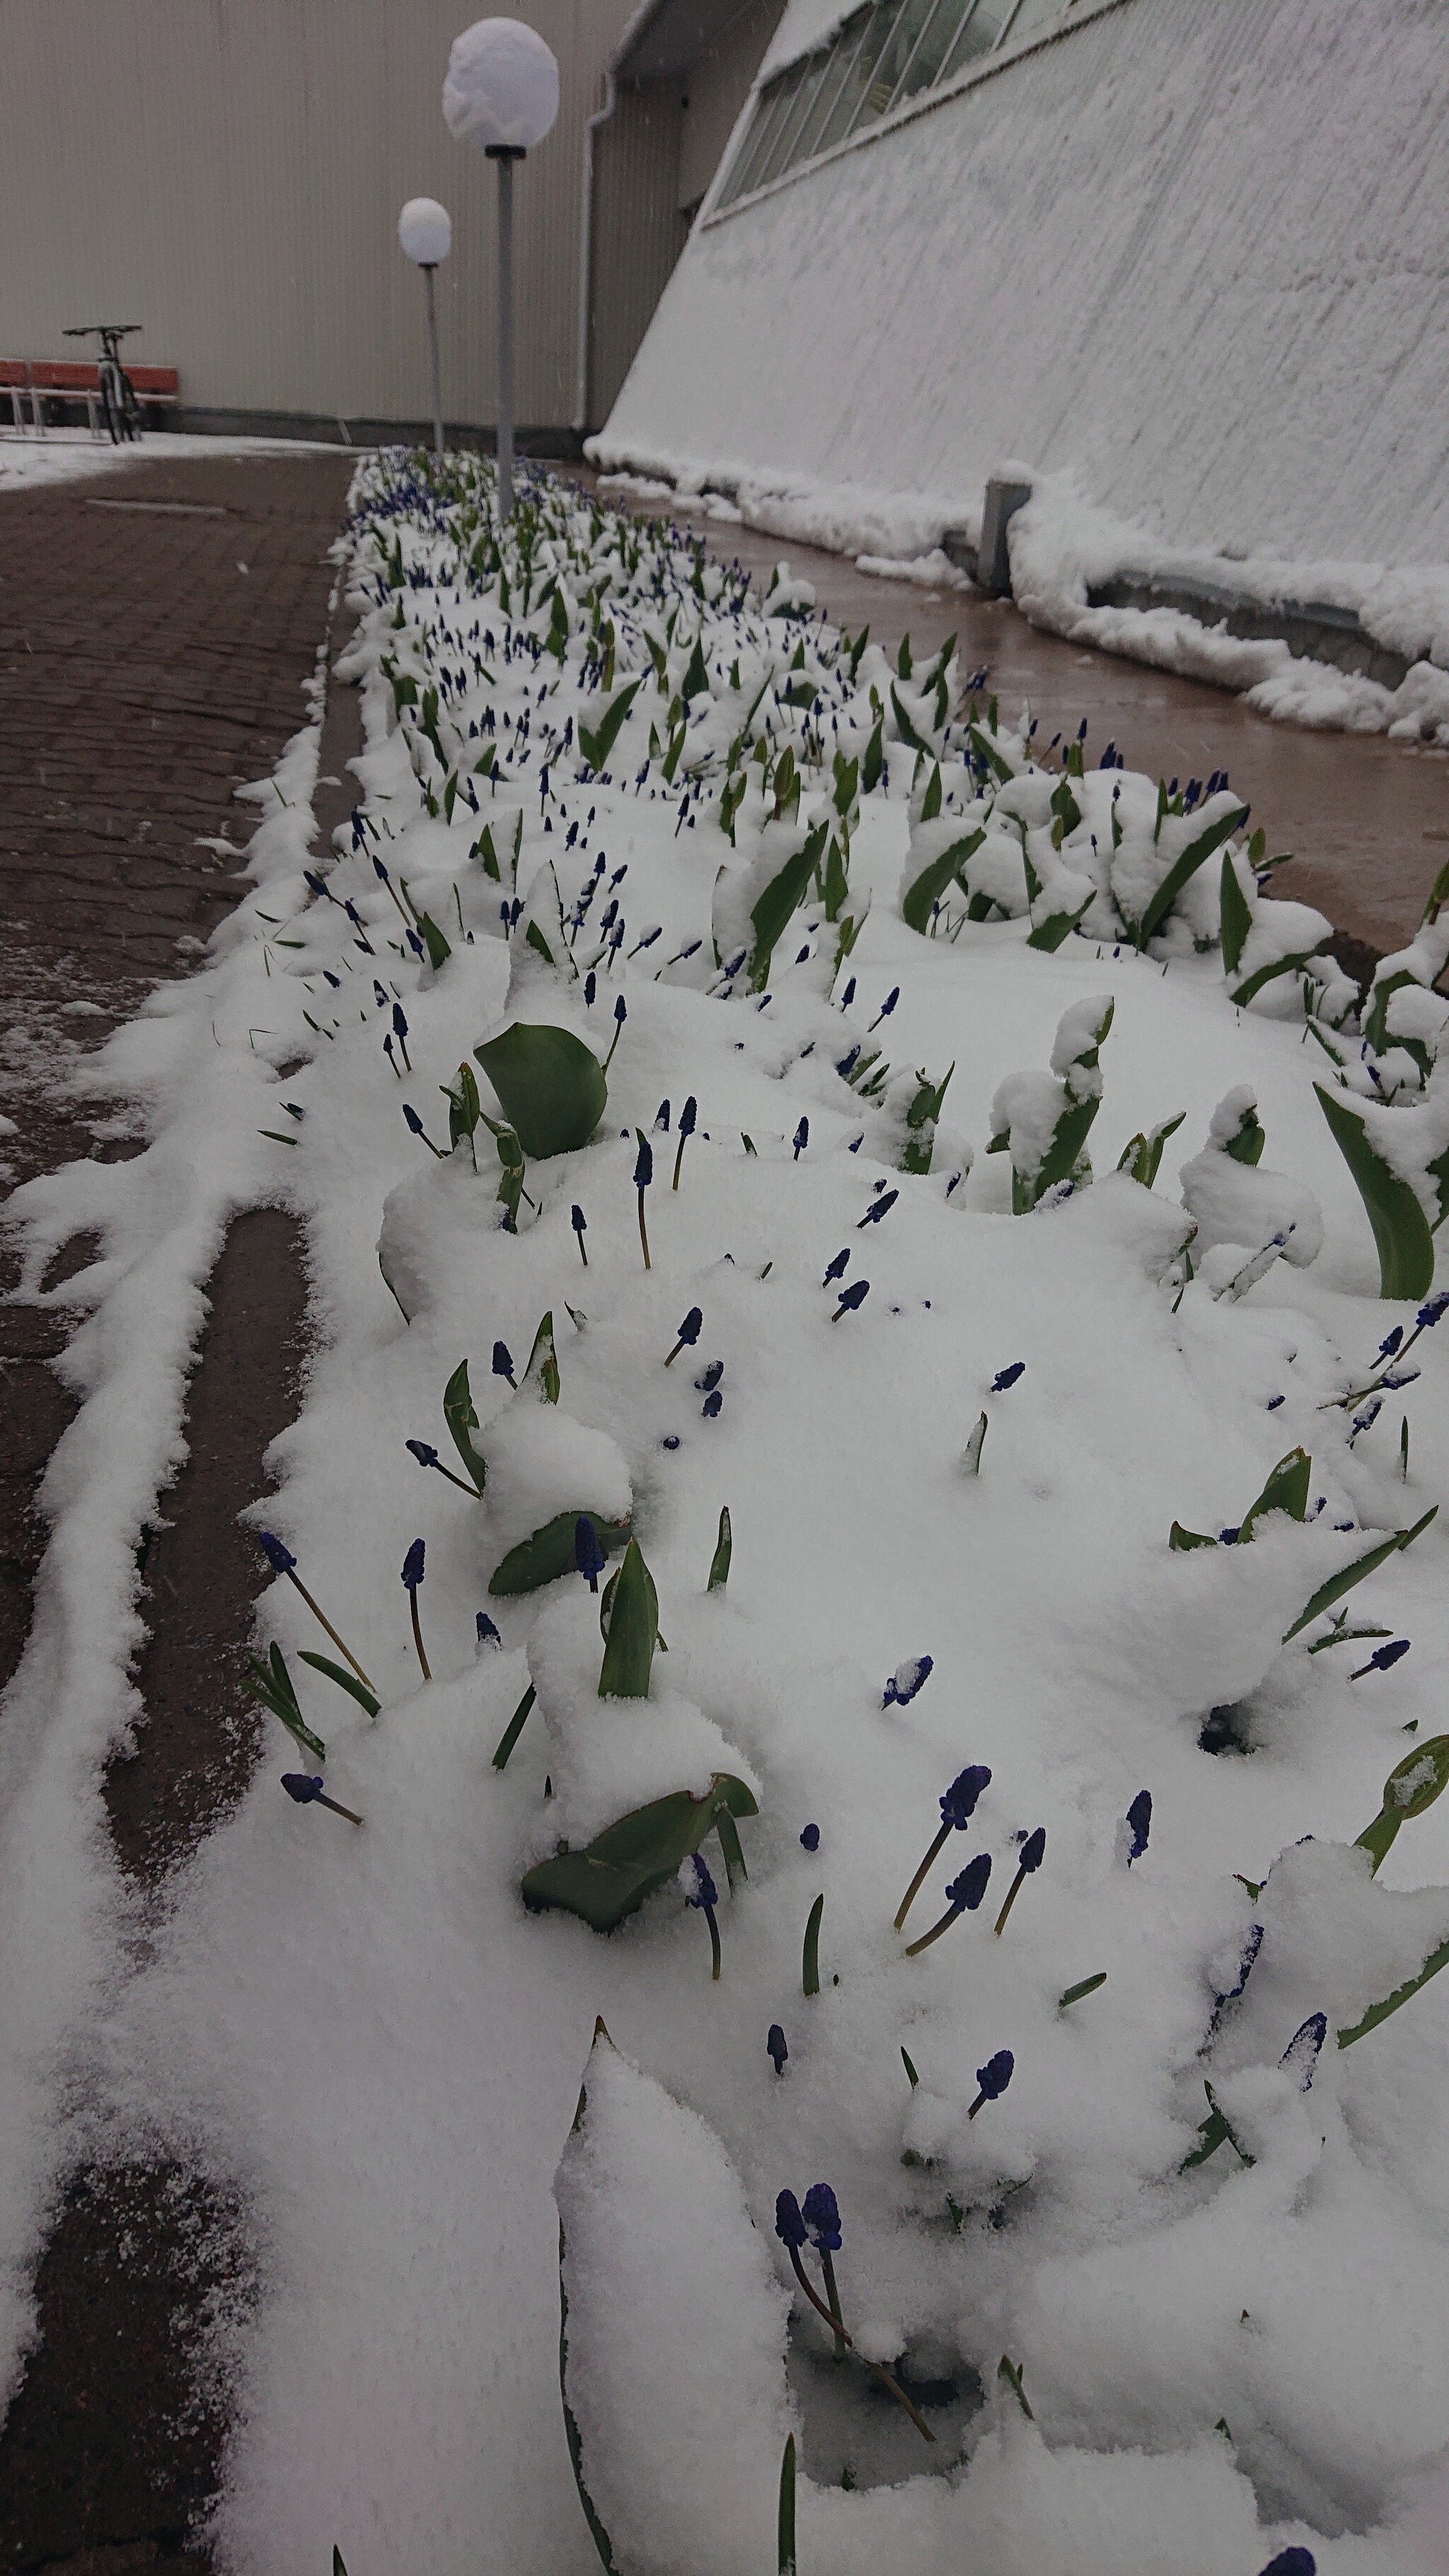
78, 380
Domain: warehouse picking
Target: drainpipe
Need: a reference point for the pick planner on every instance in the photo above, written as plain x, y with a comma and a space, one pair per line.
586, 252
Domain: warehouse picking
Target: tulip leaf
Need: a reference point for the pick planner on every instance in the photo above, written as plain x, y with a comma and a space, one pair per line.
633, 1630
439, 949
460, 1417
597, 742
1344, 1581
1376, 2013
1285, 1491
550, 1084
719, 1565
572, 2436
1411, 1786
1184, 867
550, 1552
1235, 917
927, 889
612, 1876
783, 896
1401, 1229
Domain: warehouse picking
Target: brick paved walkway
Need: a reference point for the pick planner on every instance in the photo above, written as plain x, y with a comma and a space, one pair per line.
143, 675
151, 659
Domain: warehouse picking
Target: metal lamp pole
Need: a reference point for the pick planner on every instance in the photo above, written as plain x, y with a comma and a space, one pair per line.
501, 95
427, 268
505, 154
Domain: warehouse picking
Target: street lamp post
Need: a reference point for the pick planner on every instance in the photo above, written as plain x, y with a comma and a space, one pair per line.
425, 231
501, 95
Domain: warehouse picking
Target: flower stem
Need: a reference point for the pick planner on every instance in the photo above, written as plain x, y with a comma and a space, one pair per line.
710, 1918
836, 2328
678, 1159
418, 1633
1011, 1899
833, 2295
643, 1237
322, 1800
325, 1622
934, 1934
913, 1891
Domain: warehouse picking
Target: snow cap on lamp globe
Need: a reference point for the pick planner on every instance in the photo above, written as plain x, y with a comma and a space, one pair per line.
502, 86
425, 230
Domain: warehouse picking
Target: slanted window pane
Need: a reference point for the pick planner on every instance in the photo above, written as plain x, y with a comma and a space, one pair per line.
1033, 14
857, 71
778, 156
904, 37
842, 54
873, 96
937, 38
983, 30
775, 109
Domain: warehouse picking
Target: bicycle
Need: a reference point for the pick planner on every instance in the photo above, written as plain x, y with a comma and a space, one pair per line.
118, 394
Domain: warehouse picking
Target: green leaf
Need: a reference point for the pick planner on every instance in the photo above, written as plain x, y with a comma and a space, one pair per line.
344, 1680
1088, 1986
733, 1849
572, 2437
719, 1564
785, 2518
1183, 868
874, 761
1180, 1539
1247, 1145
1235, 917
1243, 993
597, 743
1285, 1491
487, 856
927, 889
541, 1375
1068, 1144
1142, 1158
910, 2070
633, 1630
551, 1086
611, 1878
274, 1688
439, 949
810, 1957
1401, 1229
837, 881
1066, 809
1050, 932
985, 749
1376, 2013
1411, 1786
783, 895
460, 1417
513, 1729
1216, 2130
534, 938
550, 1552
1344, 1581
907, 731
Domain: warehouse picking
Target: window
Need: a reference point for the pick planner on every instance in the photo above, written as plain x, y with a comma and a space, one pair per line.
876, 60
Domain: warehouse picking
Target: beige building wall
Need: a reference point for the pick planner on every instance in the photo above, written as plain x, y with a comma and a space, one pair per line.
229, 173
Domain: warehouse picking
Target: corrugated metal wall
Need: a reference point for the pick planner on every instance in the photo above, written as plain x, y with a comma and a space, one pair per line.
229, 173
654, 159
639, 231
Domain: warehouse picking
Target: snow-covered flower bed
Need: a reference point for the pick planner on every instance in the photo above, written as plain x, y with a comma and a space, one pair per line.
737, 1086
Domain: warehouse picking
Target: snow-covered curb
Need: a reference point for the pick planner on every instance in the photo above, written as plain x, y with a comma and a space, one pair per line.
1063, 547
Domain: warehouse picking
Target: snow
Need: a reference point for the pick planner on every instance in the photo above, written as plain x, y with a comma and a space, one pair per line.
1016, 268
70, 455
370, 2034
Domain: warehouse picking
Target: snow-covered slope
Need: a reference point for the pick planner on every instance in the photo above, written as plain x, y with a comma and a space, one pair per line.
1188, 264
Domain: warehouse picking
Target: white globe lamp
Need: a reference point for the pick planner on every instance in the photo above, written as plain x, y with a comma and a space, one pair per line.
425, 230
501, 95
